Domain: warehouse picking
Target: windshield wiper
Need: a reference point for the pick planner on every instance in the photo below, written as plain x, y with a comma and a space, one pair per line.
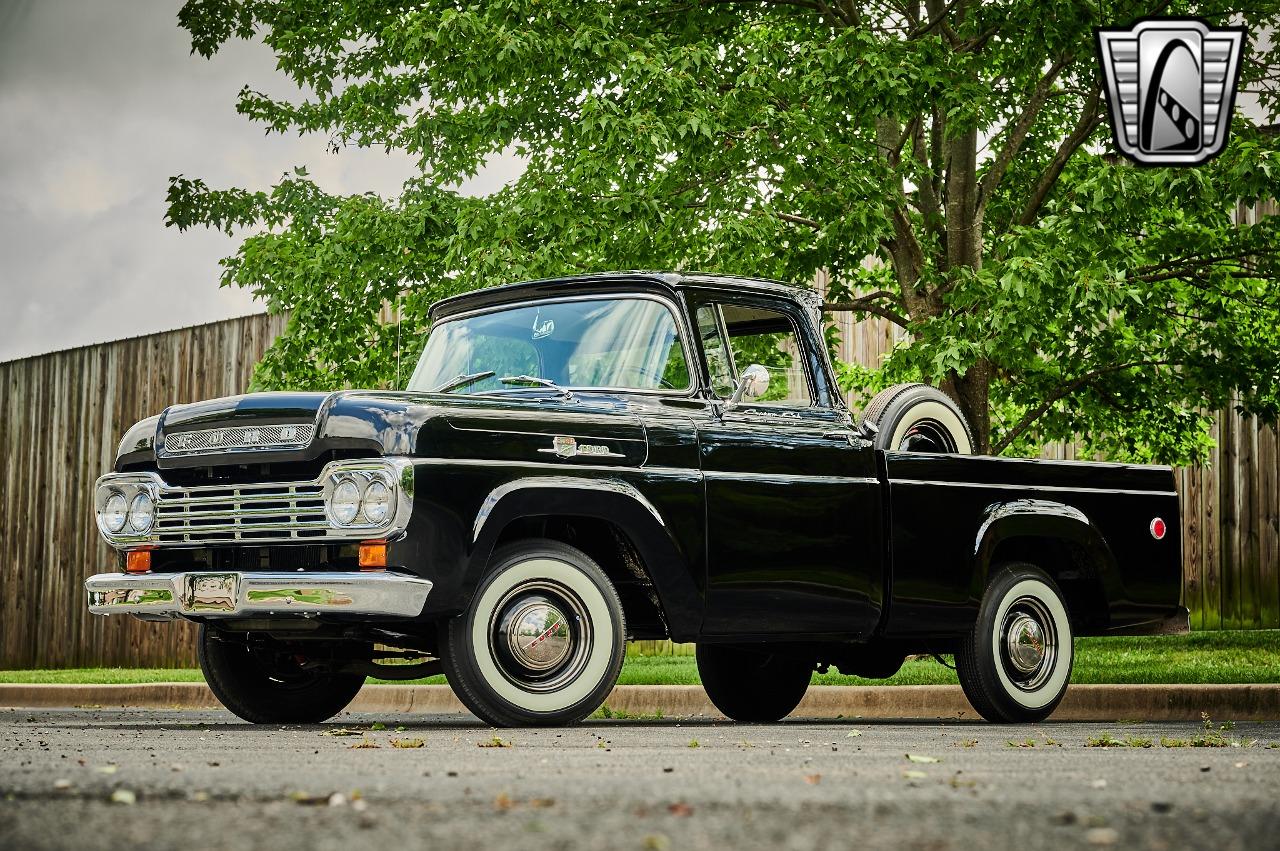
533, 379
463, 380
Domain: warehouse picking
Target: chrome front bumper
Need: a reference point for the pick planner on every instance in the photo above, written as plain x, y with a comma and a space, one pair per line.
223, 594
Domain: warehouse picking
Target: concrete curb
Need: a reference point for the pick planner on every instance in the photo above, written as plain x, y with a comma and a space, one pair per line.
1082, 702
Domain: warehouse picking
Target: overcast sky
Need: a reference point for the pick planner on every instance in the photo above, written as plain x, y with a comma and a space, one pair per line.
100, 103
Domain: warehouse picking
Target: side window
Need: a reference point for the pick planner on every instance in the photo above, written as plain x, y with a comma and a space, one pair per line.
719, 364
768, 338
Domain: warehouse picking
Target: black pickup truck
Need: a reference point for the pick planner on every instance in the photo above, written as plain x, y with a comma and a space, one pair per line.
584, 461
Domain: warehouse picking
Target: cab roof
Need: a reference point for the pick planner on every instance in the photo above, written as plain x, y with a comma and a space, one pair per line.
667, 283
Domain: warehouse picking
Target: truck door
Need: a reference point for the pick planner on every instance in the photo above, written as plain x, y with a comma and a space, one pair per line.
793, 507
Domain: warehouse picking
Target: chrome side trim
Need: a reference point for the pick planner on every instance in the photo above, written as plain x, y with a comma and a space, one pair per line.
679, 472
1030, 488
170, 595
1036, 462
784, 478
608, 485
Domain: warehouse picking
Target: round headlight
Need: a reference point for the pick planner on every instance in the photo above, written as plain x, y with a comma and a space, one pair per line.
141, 513
344, 503
115, 512
377, 503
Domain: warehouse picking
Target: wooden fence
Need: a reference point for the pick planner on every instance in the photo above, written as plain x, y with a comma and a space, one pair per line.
61, 418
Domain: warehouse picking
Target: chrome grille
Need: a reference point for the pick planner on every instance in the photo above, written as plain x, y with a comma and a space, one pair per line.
271, 512
239, 437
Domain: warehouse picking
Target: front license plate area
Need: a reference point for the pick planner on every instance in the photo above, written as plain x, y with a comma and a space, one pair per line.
210, 592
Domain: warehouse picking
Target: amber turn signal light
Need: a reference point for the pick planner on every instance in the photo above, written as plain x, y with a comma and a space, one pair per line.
138, 561
373, 555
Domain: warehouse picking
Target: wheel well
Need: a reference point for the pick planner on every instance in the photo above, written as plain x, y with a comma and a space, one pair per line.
610, 547
1071, 568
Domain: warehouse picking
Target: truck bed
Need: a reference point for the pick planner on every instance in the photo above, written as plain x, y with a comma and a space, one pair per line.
952, 519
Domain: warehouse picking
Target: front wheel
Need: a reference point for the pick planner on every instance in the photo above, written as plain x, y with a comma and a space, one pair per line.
267, 683
753, 684
1015, 663
542, 642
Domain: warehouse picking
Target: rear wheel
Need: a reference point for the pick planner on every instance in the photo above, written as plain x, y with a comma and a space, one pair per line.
268, 683
752, 684
543, 640
1015, 663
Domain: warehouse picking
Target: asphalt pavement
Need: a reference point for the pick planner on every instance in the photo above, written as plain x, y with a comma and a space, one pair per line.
140, 779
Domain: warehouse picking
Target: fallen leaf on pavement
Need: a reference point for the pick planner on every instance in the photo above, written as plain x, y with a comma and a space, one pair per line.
915, 757
307, 799
407, 743
1101, 836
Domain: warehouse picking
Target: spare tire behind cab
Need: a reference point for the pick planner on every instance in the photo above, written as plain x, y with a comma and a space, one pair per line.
918, 418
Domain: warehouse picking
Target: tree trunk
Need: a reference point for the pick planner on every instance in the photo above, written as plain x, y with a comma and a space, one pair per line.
971, 392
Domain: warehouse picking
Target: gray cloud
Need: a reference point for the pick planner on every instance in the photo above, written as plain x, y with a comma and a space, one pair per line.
100, 103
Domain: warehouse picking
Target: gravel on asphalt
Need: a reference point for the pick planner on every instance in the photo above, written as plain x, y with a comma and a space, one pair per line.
151, 779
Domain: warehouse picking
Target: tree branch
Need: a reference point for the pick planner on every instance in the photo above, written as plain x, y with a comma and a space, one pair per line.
1062, 392
799, 220
935, 20
1018, 133
1089, 120
867, 304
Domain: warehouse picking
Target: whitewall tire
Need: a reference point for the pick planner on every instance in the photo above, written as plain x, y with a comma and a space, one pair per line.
543, 641
1015, 664
918, 418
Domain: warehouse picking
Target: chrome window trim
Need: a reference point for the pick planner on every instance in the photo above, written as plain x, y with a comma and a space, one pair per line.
708, 298
677, 316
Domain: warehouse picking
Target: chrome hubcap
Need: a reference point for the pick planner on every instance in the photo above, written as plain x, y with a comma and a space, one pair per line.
927, 435
1025, 643
538, 636
1029, 644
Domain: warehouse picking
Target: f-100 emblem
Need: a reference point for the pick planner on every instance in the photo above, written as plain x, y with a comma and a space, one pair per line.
1171, 87
567, 447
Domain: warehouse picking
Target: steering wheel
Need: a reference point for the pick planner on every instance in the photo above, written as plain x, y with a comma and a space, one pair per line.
662, 382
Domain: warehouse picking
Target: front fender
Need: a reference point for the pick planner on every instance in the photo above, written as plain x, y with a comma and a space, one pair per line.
1043, 519
612, 500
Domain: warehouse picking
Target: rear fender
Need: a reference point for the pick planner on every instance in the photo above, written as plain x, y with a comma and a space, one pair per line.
1047, 520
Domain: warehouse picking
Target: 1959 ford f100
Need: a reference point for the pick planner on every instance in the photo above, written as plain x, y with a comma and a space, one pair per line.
579, 462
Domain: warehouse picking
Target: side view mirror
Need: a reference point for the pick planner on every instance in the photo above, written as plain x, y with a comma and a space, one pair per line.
752, 384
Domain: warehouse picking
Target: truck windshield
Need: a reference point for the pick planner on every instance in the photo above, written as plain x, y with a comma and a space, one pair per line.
609, 343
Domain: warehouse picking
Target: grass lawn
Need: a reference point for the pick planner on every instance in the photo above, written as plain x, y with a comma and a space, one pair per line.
1203, 657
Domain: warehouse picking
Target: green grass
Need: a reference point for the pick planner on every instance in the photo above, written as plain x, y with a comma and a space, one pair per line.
1203, 657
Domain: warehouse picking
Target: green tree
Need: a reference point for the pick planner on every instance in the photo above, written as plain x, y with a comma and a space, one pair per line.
1053, 289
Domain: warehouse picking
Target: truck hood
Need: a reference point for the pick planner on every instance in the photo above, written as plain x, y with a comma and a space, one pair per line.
283, 427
